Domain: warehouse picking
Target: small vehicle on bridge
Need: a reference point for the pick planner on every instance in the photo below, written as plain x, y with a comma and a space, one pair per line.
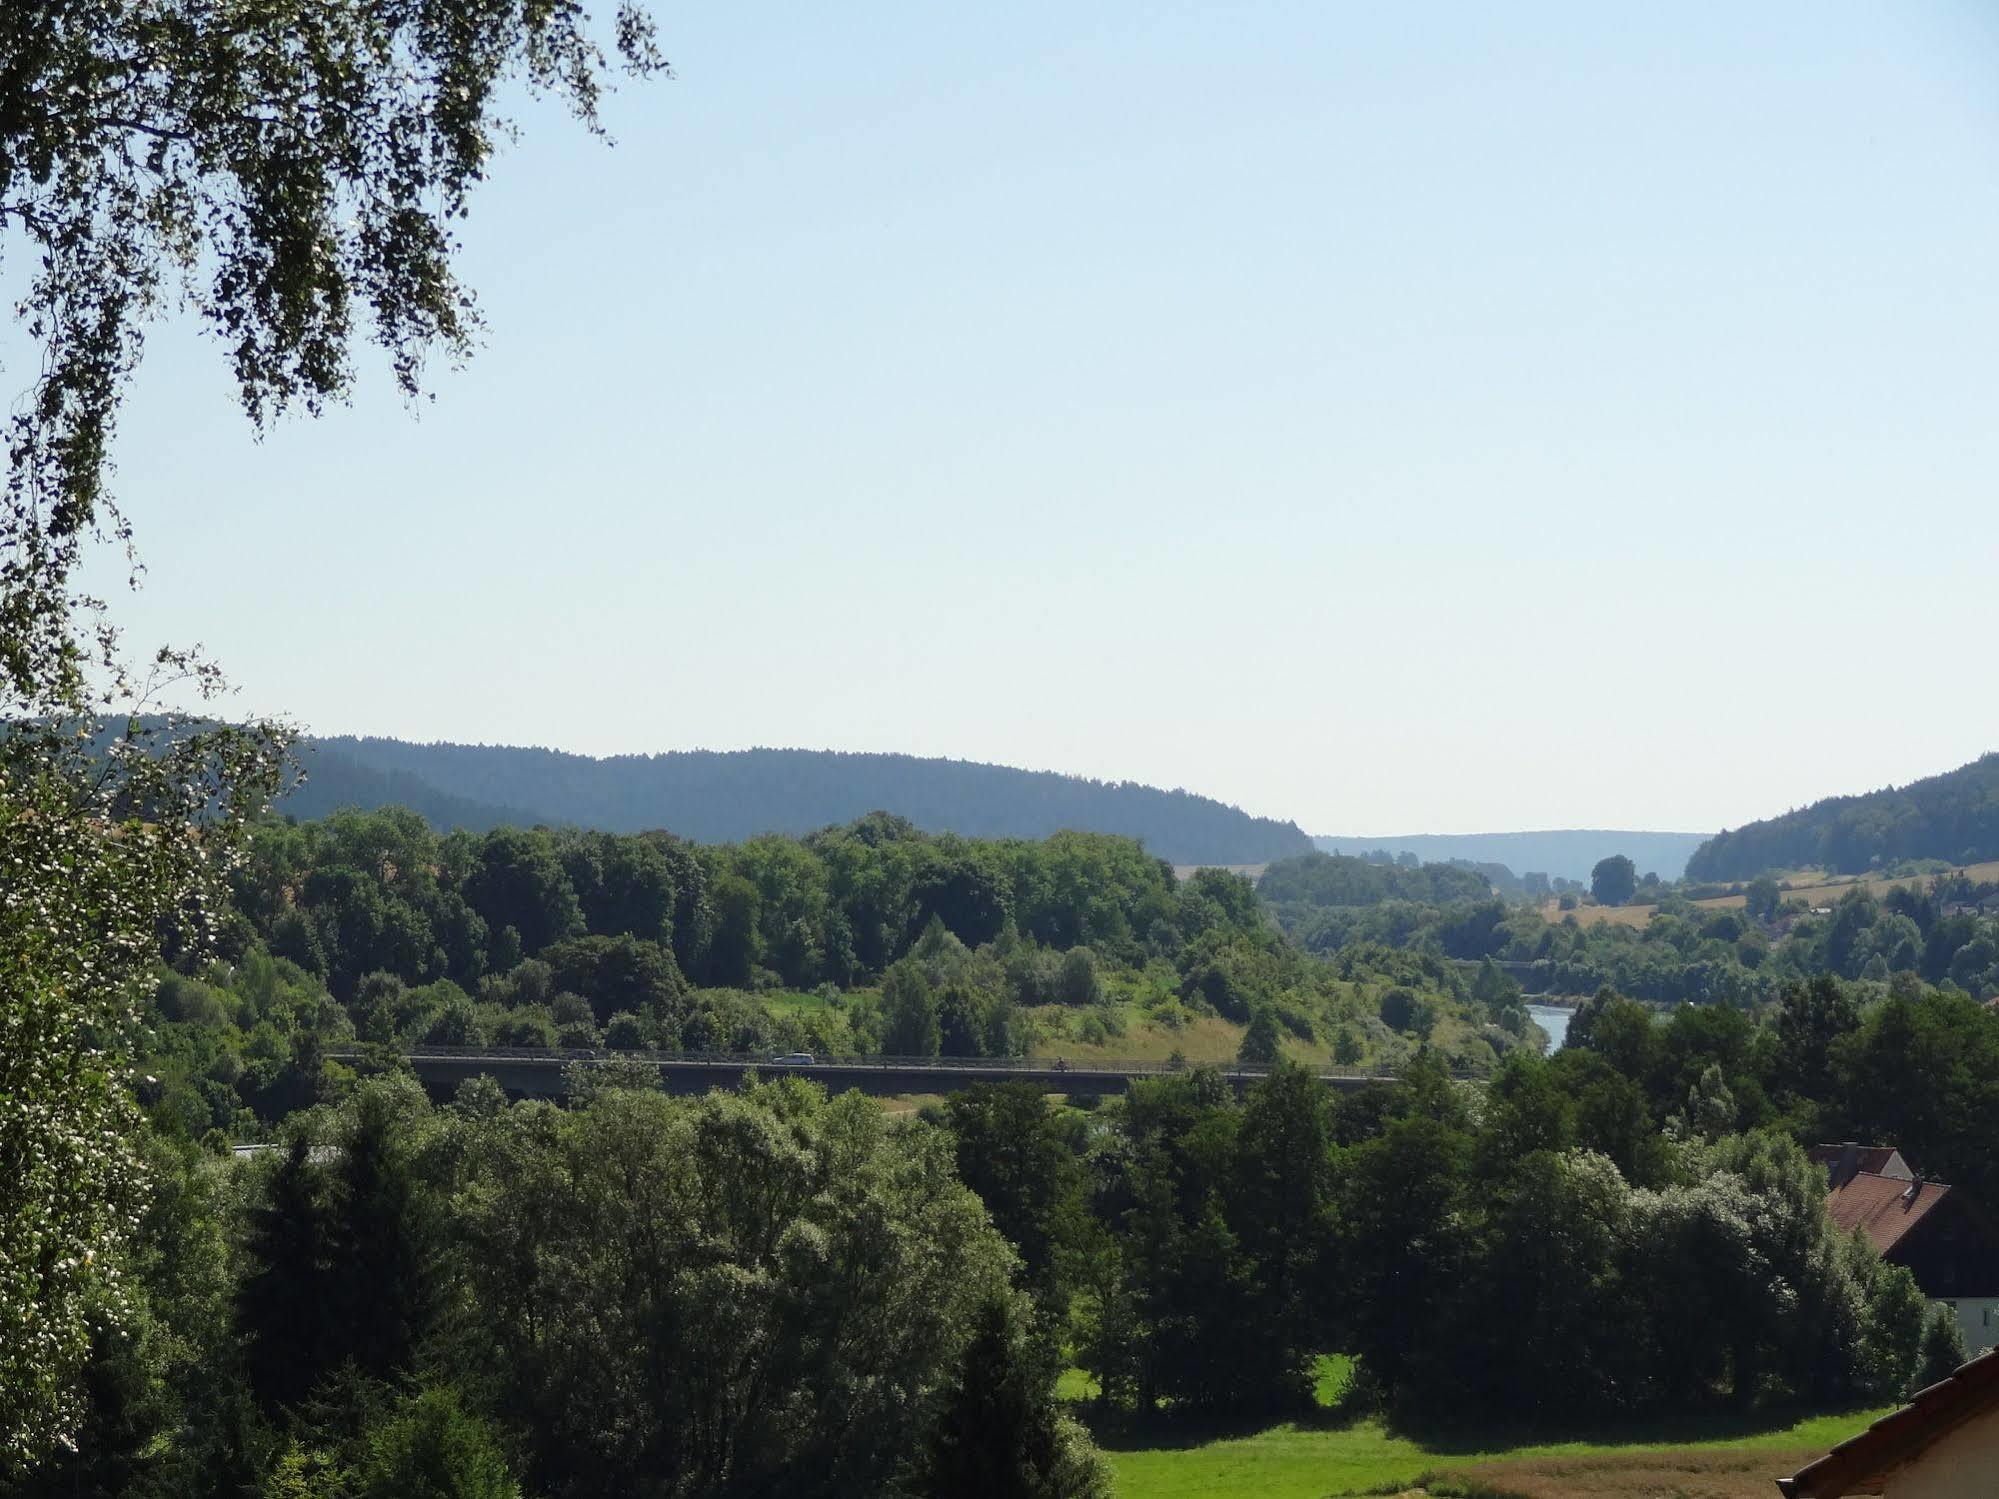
792, 1059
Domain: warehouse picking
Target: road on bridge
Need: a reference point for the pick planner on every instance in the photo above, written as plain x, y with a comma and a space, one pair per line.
538, 1073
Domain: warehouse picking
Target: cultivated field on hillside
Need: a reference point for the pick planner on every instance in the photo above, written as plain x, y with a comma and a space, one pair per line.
1201, 1038
1812, 887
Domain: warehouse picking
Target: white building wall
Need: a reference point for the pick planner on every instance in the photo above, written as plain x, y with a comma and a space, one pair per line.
1962, 1465
1978, 1320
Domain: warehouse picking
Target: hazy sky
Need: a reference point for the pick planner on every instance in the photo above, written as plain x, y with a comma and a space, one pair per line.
1397, 418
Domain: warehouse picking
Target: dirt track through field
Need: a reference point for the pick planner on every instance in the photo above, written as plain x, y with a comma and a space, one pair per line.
1822, 893
1625, 1475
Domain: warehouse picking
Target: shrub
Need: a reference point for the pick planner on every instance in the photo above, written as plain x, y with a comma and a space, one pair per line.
1296, 1021
624, 1031
432, 1448
531, 1025
1079, 984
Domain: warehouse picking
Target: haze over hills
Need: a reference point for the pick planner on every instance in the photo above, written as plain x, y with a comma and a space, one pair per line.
1568, 852
726, 796
1953, 816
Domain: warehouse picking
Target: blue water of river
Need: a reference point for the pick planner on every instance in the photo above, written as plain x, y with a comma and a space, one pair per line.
1554, 1019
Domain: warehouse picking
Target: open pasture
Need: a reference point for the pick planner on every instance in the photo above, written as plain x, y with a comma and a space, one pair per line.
1822, 891
1319, 1458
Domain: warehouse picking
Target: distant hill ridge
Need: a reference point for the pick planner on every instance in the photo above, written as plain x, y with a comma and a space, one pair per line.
716, 796
1953, 816
1568, 852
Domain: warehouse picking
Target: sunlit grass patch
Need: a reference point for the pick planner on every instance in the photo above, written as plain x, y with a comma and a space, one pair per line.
1317, 1458
1075, 1384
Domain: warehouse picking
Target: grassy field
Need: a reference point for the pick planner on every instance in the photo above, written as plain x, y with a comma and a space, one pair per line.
908, 1105
1330, 1455
1682, 1474
1599, 915
793, 1002
1207, 1038
1816, 892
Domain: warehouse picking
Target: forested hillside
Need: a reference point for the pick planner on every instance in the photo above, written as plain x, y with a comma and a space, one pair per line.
870, 938
723, 797
1939, 930
1568, 853
1954, 817
551, 1299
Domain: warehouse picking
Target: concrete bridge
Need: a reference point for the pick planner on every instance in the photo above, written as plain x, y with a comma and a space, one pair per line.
537, 1073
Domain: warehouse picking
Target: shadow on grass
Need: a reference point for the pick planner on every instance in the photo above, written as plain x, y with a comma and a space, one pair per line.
1471, 1438
1170, 1428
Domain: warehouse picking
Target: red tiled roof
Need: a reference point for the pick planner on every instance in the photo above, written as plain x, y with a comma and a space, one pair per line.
1875, 1159
1882, 1207
1860, 1465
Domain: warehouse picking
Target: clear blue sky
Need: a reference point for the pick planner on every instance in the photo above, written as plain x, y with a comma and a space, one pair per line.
1398, 418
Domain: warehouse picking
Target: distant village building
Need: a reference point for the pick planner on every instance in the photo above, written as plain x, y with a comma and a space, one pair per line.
1945, 1240
1944, 1444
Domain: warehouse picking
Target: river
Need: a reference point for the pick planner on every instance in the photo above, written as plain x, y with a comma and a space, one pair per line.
1554, 1019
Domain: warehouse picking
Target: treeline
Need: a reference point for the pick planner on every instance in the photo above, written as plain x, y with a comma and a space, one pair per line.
741, 1295
1954, 817
233, 1048
777, 1292
1937, 933
1551, 1254
715, 797
1944, 931
371, 929
380, 892
1343, 880
774, 1291
1917, 1068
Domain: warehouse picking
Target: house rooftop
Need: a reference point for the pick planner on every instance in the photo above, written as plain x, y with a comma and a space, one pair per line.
1862, 1464
1885, 1208
1844, 1160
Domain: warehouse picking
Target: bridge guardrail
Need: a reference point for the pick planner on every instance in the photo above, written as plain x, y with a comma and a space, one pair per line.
1036, 1066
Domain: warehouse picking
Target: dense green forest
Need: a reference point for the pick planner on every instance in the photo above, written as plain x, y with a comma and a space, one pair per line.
716, 797
633, 1295
777, 1291
371, 929
1953, 817
234, 1263
1943, 930
774, 1289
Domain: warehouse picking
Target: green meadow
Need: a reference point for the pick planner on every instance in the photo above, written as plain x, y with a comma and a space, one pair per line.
1335, 1455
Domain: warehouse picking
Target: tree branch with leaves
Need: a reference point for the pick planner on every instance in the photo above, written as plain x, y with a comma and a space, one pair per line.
289, 173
